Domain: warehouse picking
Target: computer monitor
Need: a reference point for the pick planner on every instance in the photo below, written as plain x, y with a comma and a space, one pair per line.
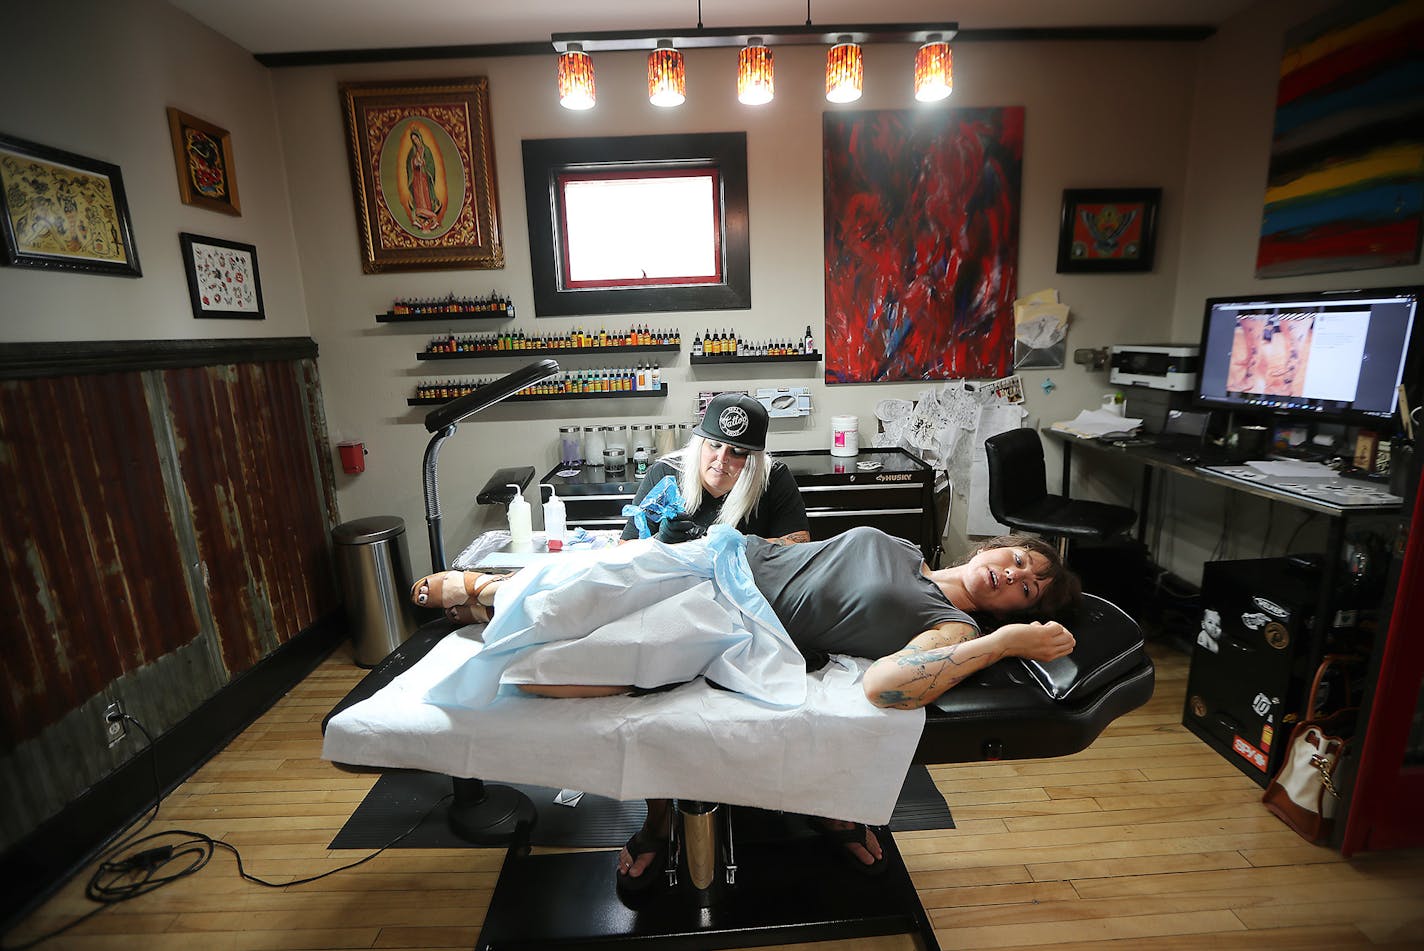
1334, 356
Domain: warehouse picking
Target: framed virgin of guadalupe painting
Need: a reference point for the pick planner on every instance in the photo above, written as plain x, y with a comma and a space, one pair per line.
422, 170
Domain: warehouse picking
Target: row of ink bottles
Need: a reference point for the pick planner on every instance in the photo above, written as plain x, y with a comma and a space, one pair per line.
729, 344
598, 380
639, 336
491, 304
511, 340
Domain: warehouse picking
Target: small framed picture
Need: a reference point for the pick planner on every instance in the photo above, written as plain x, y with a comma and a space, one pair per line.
63, 212
1108, 230
203, 154
222, 277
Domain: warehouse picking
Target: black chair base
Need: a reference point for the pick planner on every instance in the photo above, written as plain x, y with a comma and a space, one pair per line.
786, 891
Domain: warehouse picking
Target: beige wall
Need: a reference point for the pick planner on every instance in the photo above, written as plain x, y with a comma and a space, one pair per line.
95, 78
1096, 115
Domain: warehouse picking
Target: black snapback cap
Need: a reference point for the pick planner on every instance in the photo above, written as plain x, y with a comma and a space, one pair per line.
737, 420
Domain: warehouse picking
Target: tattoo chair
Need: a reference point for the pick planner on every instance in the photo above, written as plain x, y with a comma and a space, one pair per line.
729, 895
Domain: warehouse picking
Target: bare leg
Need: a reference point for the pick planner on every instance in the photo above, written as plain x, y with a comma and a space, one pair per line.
572, 691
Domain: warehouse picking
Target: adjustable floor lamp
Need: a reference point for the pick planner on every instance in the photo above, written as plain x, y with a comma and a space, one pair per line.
483, 815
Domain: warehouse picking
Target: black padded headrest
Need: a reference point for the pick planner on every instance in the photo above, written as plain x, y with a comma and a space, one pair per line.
1109, 645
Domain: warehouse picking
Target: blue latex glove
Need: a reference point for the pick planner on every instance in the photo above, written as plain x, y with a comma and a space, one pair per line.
662, 504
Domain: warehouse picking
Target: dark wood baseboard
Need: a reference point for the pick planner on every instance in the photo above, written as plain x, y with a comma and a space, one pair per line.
44, 860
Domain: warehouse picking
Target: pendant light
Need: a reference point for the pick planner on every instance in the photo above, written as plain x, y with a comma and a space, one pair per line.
845, 71
755, 80
576, 78
667, 76
934, 70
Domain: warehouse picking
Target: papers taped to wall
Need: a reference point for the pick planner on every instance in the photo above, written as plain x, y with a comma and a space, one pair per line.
941, 424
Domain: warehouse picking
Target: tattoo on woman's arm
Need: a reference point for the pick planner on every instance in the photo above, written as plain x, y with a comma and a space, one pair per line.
932, 672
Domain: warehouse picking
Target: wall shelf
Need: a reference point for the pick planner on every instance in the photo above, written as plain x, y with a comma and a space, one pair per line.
390, 317
549, 352
549, 397
732, 358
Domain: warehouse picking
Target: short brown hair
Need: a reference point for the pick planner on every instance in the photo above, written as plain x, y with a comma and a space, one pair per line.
1061, 588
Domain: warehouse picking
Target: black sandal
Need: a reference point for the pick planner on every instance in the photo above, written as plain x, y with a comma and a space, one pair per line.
842, 838
641, 843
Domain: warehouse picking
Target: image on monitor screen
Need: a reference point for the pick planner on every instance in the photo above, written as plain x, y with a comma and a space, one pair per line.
1331, 355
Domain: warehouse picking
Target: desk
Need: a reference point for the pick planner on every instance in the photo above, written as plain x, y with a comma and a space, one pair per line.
1277, 672
1335, 497
1338, 499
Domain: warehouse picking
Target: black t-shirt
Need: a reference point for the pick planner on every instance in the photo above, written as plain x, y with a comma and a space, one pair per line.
781, 510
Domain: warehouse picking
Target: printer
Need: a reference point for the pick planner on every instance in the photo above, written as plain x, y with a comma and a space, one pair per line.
1167, 366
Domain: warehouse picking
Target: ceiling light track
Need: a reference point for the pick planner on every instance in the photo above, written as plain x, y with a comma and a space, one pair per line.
1192, 33
737, 36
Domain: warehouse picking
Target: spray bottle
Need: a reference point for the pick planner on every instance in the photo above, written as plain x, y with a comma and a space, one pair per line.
521, 535
553, 519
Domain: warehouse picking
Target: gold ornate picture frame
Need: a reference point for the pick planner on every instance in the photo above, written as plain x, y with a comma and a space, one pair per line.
203, 154
422, 170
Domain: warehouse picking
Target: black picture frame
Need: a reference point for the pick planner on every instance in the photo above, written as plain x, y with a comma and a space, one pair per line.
544, 159
62, 211
223, 278
1108, 230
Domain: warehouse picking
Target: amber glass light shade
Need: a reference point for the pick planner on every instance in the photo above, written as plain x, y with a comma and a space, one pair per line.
667, 76
576, 78
934, 71
845, 71
755, 81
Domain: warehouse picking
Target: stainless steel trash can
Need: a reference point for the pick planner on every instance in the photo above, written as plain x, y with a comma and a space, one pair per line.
374, 567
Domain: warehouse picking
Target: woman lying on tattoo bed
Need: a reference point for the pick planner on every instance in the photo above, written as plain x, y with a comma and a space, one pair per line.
863, 593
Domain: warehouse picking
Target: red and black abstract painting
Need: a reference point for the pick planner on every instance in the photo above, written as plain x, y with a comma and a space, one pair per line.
922, 238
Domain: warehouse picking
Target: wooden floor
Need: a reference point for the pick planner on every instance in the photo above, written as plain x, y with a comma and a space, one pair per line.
1147, 840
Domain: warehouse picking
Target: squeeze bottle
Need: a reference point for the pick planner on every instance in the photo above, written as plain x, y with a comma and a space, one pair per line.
520, 531
553, 519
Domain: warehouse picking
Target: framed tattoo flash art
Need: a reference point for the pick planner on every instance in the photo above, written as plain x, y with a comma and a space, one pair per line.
203, 154
222, 277
422, 169
1108, 230
63, 211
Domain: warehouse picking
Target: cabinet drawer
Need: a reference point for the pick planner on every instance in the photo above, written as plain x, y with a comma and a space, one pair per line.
856, 497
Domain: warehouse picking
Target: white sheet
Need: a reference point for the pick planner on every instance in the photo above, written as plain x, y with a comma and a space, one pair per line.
835, 755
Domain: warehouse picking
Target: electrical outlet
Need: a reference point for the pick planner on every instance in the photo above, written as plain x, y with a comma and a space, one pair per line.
115, 729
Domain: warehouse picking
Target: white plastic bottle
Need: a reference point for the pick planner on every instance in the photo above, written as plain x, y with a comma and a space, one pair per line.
554, 519
521, 532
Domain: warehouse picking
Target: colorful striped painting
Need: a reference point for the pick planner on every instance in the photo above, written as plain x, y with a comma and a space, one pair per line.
922, 237
1346, 181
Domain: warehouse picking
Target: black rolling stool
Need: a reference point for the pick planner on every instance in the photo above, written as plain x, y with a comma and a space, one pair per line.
1018, 495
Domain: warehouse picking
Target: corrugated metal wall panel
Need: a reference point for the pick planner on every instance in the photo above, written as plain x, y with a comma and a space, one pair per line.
121, 479
94, 579
255, 501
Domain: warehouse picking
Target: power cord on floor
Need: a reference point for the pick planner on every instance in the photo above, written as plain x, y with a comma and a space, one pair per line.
119, 879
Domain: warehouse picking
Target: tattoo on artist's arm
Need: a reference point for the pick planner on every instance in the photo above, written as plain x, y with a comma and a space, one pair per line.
791, 538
